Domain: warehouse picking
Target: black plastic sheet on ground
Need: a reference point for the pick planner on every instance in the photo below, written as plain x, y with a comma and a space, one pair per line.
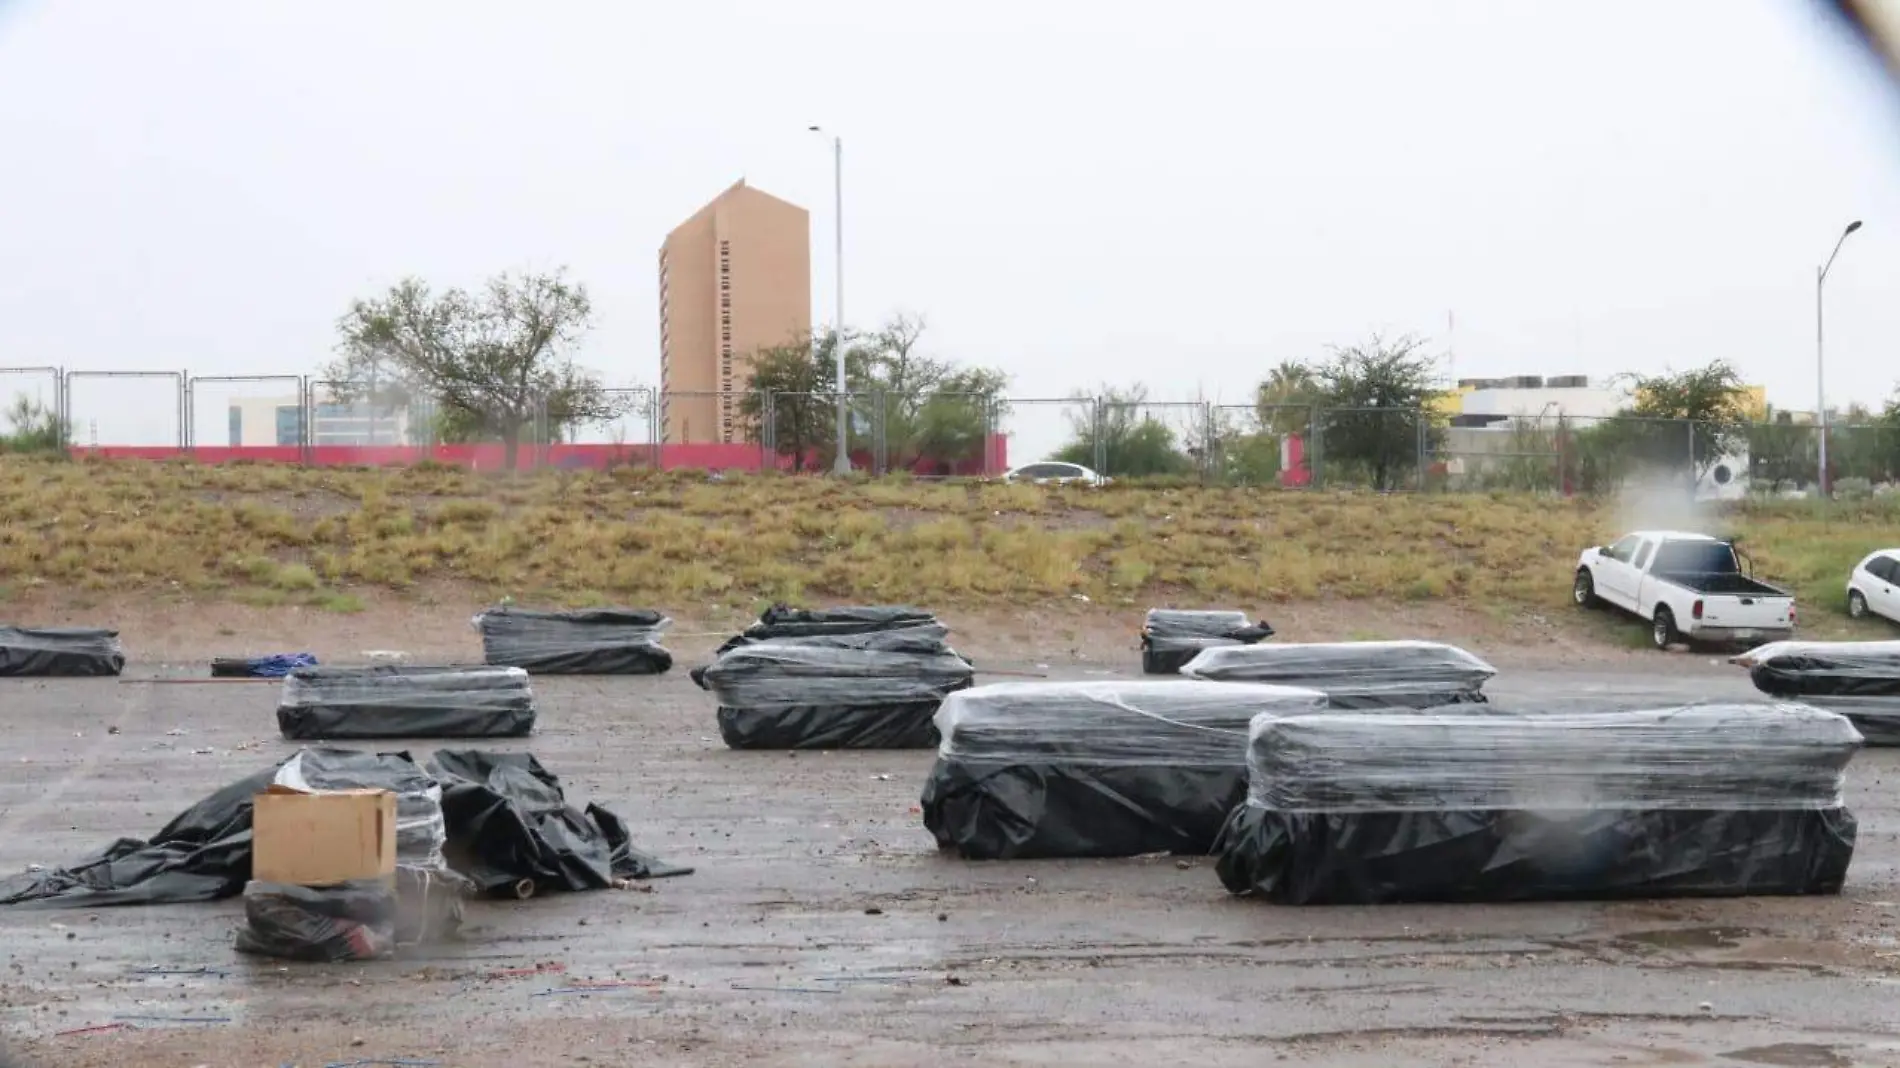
1097, 769
392, 701
60, 651
1171, 637
506, 819
597, 641
1444, 805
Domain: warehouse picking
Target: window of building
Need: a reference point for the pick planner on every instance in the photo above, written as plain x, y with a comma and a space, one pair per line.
289, 424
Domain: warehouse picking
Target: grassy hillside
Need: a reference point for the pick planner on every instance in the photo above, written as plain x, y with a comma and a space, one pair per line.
268, 535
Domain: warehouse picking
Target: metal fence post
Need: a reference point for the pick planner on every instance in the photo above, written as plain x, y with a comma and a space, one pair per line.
1100, 416
1418, 421
1316, 455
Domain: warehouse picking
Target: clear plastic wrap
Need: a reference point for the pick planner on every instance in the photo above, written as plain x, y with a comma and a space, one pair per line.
420, 830
400, 701
599, 641
878, 670
1095, 769
780, 621
1760, 653
60, 651
1399, 674
1817, 669
1876, 718
1702, 800
1171, 637
347, 922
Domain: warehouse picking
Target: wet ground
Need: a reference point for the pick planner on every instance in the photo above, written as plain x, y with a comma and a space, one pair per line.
823, 928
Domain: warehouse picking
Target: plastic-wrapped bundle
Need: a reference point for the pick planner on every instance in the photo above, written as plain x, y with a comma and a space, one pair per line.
60, 651
420, 829
1171, 637
1355, 675
349, 921
1816, 669
1876, 718
780, 621
873, 690
398, 701
1704, 800
1095, 769
1883, 650
599, 641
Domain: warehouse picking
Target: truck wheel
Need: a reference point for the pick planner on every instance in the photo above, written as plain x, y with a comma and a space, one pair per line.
1663, 629
1856, 605
1584, 590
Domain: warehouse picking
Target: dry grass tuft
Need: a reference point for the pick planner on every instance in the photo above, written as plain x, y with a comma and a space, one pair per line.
280, 535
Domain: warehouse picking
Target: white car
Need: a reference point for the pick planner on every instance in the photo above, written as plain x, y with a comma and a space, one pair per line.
1874, 587
1054, 473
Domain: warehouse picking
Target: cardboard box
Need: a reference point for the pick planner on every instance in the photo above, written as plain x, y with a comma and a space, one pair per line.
319, 839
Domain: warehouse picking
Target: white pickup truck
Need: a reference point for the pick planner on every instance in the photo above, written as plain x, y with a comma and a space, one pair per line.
1690, 587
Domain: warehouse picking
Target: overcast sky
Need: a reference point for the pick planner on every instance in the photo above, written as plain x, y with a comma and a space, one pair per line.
1081, 192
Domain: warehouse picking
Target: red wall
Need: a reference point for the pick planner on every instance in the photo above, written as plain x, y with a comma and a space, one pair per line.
490, 457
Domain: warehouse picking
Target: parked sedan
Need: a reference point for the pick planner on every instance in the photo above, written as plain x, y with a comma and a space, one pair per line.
1054, 473
1874, 587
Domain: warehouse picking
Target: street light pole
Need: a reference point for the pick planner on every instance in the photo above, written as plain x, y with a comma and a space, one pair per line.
1820, 360
842, 464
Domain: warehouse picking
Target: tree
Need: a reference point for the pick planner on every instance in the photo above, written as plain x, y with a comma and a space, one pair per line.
1126, 441
1681, 423
1781, 450
491, 361
1375, 396
800, 377
1284, 401
32, 427
931, 410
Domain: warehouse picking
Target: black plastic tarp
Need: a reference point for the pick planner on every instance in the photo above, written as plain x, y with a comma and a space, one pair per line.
1510, 805
1813, 669
871, 690
1170, 637
1094, 769
1356, 675
506, 819
509, 820
595, 641
898, 725
780, 621
400, 701
1877, 718
60, 651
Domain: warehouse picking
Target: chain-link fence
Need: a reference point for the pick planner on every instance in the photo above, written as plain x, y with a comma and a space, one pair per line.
286, 417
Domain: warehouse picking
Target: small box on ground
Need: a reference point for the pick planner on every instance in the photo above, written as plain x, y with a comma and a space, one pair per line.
322, 839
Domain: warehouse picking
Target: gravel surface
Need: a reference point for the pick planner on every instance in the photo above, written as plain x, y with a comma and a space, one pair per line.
823, 928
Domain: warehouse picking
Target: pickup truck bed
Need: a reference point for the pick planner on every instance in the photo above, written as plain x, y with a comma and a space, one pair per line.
1719, 583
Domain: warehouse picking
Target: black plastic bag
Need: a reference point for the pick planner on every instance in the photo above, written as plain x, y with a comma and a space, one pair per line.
349, 921
874, 690
509, 824
390, 701
596, 641
1094, 769
60, 651
1446, 805
1170, 637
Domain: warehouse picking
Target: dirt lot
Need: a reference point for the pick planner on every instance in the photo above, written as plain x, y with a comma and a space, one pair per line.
822, 927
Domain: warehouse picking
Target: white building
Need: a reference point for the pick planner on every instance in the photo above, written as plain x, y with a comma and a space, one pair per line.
1530, 396
278, 421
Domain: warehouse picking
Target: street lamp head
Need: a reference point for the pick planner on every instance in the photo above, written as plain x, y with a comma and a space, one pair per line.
820, 129
1851, 227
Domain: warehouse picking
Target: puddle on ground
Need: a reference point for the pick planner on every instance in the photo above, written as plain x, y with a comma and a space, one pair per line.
1688, 938
1793, 1055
